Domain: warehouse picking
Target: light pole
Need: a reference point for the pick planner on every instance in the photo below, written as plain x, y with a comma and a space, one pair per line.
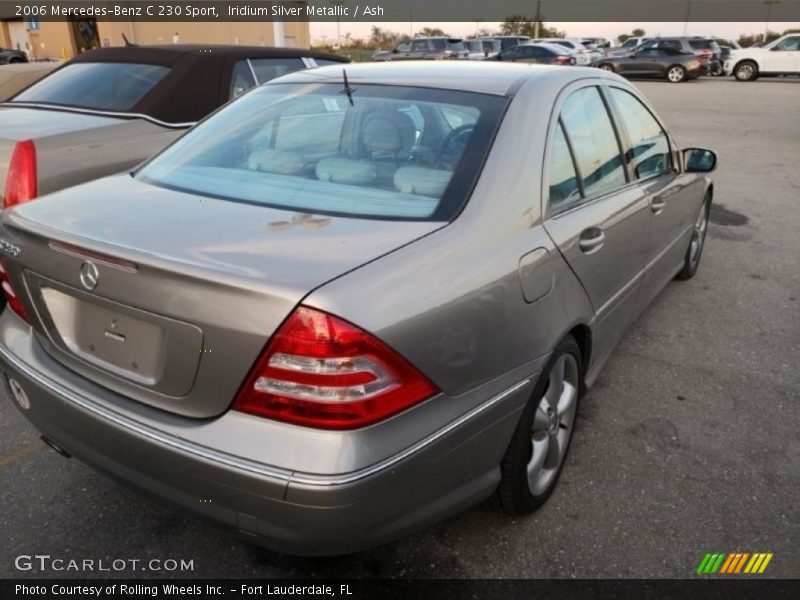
769, 4
686, 18
338, 22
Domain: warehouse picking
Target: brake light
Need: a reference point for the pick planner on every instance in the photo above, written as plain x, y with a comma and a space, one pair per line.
11, 295
564, 60
321, 371
21, 178
704, 55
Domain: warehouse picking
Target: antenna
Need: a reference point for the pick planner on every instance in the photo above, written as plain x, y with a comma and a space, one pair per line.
127, 42
347, 89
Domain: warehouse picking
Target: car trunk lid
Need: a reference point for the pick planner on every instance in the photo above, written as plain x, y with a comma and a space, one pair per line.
168, 298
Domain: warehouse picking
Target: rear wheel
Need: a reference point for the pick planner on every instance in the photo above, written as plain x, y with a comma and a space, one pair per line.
695, 250
607, 67
14, 61
676, 74
746, 71
535, 457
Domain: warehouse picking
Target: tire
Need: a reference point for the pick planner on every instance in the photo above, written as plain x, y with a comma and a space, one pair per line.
607, 67
676, 74
746, 70
14, 61
540, 442
694, 252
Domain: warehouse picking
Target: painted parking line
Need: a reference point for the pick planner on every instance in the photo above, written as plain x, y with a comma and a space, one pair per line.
26, 450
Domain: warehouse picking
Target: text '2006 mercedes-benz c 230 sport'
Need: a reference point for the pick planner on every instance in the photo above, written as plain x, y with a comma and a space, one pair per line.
351, 303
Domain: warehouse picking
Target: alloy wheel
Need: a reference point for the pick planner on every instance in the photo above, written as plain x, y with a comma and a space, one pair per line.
675, 74
553, 424
745, 72
699, 235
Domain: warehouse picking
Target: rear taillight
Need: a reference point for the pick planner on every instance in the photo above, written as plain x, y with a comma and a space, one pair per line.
11, 295
21, 177
704, 55
564, 60
323, 372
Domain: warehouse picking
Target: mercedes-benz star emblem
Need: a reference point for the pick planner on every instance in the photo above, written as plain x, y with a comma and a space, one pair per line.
89, 275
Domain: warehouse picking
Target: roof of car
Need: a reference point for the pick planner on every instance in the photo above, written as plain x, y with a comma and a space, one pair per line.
166, 55
477, 76
198, 80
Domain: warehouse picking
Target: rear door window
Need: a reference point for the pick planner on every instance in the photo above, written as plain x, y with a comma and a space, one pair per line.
267, 69
565, 190
594, 142
649, 151
100, 86
251, 72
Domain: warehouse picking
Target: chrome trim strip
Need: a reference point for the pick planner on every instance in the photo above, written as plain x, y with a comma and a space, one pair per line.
252, 72
329, 480
96, 113
237, 462
649, 266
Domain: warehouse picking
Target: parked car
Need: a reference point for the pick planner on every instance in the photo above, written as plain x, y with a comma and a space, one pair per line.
663, 62
627, 46
543, 53
480, 49
725, 47
330, 332
780, 57
425, 48
508, 41
10, 57
583, 55
109, 109
18, 76
597, 42
706, 50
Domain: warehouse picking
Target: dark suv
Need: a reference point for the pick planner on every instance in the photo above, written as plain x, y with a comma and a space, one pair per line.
706, 50
425, 48
8, 57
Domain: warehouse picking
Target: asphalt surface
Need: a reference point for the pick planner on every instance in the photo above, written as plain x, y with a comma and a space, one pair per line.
688, 444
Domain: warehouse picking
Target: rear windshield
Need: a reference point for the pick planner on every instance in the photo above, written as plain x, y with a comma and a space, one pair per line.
100, 86
395, 152
704, 45
454, 45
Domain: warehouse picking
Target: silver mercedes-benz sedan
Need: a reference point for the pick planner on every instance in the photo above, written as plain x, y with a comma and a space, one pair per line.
351, 303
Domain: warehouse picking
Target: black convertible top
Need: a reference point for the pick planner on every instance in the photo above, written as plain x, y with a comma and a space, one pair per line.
199, 77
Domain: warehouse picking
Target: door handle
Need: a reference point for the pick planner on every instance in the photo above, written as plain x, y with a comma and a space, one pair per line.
591, 240
657, 204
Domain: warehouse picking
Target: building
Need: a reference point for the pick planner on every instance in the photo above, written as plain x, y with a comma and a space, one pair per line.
64, 39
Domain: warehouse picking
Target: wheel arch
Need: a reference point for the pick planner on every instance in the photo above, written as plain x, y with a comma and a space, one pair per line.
583, 335
741, 61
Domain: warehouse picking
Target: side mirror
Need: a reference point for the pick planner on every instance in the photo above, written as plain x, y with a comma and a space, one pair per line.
395, 51
699, 160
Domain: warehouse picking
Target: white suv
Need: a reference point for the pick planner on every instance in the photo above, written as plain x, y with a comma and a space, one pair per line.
780, 57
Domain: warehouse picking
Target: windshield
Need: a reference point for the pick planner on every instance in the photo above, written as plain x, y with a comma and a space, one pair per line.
395, 152
99, 86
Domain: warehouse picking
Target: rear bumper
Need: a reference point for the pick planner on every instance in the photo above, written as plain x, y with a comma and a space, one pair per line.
285, 510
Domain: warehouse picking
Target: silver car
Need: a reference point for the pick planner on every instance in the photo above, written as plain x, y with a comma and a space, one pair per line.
350, 304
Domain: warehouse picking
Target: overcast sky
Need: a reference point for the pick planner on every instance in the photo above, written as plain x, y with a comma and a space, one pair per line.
577, 29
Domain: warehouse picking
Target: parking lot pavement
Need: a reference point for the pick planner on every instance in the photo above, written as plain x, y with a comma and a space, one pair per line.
688, 444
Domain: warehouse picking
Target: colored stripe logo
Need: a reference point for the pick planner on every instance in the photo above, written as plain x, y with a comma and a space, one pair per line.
734, 563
